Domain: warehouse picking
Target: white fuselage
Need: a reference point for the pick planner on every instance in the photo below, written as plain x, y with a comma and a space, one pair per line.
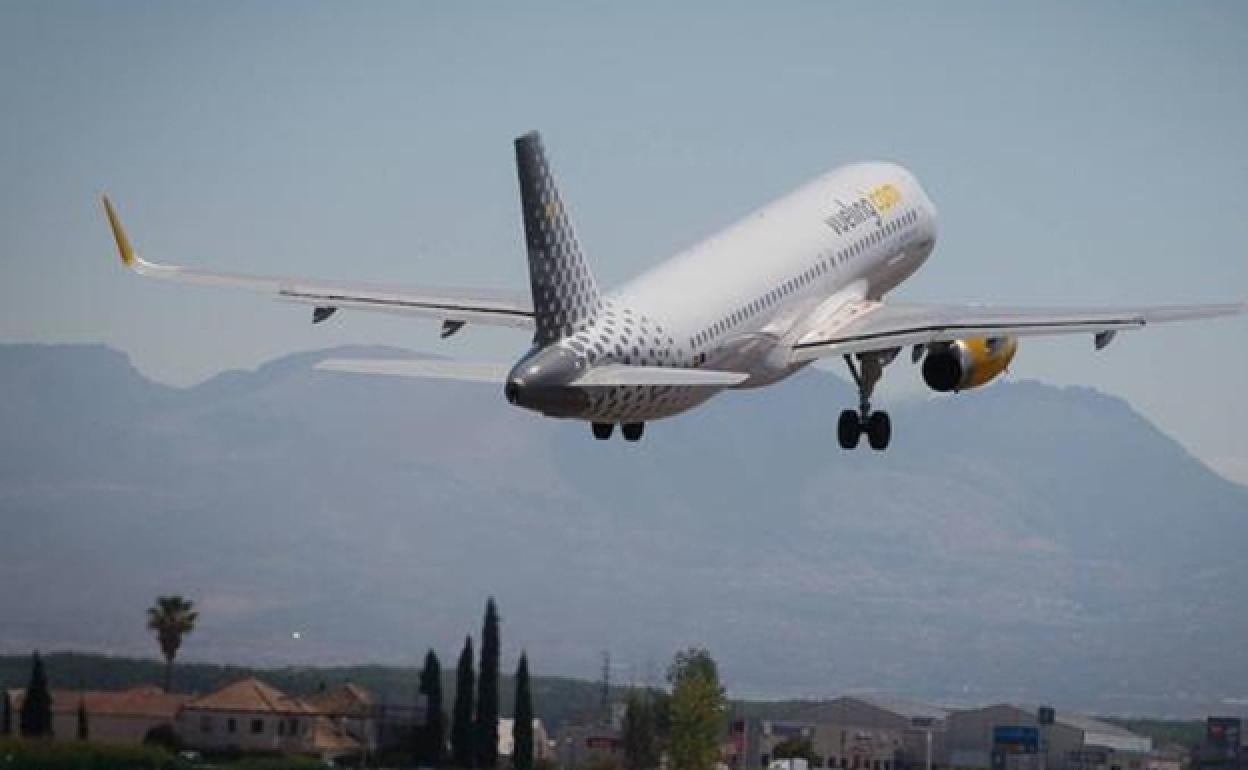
734, 300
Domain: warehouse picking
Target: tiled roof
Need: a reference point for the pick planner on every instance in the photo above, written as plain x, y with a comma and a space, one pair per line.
347, 700
250, 695
325, 738
149, 702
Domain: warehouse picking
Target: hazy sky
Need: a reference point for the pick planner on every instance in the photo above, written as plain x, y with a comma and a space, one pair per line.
1078, 153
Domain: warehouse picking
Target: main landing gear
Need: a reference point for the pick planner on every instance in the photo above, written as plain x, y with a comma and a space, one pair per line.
631, 431
876, 425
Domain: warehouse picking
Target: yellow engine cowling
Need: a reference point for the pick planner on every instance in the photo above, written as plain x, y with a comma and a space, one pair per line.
967, 363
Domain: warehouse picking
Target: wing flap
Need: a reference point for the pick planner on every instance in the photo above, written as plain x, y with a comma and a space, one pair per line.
866, 326
468, 306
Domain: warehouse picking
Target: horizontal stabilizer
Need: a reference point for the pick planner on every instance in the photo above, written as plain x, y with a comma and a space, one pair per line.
618, 374
436, 369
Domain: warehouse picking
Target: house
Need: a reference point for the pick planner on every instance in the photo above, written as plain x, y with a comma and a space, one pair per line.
350, 709
381, 725
584, 744
114, 717
254, 717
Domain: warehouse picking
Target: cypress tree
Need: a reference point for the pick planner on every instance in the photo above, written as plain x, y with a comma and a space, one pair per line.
487, 692
36, 716
522, 730
432, 751
461, 718
84, 733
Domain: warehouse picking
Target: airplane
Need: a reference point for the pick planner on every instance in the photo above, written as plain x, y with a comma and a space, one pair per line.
801, 279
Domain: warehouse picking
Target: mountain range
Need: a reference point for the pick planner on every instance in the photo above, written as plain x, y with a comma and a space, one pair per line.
1022, 542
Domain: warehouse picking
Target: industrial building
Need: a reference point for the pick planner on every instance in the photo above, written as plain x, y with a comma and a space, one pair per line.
1225, 746
860, 732
1006, 736
864, 732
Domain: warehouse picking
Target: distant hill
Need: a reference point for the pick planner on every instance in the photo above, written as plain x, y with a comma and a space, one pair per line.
1024, 542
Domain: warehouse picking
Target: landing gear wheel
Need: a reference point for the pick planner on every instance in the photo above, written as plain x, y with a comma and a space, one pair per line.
877, 425
879, 430
632, 430
602, 430
848, 429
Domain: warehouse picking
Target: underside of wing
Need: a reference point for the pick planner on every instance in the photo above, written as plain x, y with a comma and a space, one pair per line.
455, 306
436, 369
866, 326
620, 374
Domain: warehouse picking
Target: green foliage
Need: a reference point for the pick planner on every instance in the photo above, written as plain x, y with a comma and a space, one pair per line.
36, 717
486, 725
522, 733
431, 748
601, 762
50, 755
697, 710
461, 718
163, 736
171, 618
640, 734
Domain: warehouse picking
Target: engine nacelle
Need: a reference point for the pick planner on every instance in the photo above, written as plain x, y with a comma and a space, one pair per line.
968, 363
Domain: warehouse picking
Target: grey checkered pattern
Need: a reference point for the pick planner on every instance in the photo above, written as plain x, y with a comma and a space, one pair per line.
565, 295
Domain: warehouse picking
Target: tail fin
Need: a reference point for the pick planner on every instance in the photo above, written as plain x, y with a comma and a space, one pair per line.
564, 291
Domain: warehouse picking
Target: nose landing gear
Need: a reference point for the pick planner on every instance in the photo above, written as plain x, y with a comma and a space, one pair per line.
876, 425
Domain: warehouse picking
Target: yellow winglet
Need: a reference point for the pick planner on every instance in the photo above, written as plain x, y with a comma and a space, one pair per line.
119, 234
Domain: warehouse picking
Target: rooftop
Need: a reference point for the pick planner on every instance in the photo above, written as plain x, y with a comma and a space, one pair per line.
253, 696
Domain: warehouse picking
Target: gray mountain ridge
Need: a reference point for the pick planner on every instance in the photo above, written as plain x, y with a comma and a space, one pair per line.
1023, 541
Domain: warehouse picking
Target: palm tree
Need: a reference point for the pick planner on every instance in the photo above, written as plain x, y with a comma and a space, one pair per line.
171, 618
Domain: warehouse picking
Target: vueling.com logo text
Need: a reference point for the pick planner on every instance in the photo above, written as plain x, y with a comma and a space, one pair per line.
872, 206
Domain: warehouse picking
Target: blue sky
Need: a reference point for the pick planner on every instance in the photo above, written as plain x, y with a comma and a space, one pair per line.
1078, 153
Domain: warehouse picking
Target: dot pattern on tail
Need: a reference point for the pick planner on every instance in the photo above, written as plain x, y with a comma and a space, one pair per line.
565, 294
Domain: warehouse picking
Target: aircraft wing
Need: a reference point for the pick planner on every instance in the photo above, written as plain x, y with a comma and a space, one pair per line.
622, 374
865, 325
448, 305
605, 375
420, 368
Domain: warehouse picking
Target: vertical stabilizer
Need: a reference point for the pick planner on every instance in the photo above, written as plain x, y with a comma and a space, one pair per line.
565, 294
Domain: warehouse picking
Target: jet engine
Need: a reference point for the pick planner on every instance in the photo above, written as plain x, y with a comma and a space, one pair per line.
968, 363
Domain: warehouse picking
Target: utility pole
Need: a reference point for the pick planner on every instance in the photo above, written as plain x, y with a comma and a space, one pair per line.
606, 687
